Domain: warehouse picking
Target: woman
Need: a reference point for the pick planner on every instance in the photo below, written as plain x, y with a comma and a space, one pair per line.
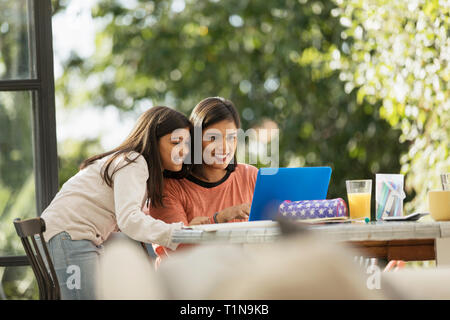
107, 194
218, 189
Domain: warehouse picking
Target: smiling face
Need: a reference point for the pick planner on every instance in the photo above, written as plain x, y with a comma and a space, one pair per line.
219, 144
173, 148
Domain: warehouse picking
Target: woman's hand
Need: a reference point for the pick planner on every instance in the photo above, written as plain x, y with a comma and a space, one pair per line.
240, 211
199, 220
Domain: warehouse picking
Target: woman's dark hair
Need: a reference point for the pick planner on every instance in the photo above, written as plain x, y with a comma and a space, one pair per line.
208, 112
144, 139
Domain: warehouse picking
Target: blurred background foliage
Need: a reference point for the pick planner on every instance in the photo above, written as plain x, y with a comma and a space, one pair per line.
399, 56
361, 86
271, 59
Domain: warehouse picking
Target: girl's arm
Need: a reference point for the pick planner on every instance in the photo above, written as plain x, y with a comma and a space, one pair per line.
173, 211
129, 191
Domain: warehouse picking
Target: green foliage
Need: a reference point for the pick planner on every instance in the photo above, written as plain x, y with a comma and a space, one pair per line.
71, 153
272, 60
398, 52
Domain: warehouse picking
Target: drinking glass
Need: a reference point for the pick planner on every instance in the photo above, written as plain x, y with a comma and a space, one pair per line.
359, 193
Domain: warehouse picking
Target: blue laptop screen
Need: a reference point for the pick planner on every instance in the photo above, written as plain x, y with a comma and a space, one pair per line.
274, 185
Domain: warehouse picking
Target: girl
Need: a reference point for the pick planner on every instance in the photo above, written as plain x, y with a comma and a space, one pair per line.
107, 194
218, 189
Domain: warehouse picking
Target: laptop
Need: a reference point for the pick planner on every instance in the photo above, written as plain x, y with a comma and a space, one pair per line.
274, 185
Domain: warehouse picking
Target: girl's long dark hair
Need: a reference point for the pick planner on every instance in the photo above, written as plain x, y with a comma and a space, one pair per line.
208, 112
144, 139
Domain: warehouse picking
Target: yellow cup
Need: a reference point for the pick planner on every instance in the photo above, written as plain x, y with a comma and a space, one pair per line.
439, 204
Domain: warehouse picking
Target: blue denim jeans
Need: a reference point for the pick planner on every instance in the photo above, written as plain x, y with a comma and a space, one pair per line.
76, 264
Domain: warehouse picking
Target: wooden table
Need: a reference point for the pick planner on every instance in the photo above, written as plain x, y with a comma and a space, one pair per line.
408, 241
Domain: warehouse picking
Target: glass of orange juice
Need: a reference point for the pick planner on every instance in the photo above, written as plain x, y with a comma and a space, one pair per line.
359, 193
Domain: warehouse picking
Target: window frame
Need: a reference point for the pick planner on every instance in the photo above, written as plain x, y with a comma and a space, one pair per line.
43, 112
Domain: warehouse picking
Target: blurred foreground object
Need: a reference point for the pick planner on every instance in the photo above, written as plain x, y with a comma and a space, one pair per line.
297, 267
431, 284
126, 271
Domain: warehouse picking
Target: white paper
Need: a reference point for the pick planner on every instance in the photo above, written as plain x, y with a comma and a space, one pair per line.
235, 225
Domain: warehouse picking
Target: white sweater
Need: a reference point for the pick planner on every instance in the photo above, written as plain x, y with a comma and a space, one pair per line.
88, 209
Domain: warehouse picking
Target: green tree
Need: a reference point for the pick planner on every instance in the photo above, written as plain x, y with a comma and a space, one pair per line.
271, 59
398, 52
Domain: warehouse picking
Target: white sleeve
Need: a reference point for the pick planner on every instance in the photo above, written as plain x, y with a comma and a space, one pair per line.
129, 186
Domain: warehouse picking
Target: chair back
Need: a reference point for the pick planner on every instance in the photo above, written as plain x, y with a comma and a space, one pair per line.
44, 271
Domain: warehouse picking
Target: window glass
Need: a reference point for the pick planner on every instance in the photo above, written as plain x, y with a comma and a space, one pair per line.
17, 50
17, 185
18, 283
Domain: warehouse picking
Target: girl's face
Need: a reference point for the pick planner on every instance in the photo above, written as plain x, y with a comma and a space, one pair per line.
219, 144
173, 148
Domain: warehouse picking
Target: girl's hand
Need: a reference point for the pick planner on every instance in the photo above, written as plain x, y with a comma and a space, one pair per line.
199, 220
241, 211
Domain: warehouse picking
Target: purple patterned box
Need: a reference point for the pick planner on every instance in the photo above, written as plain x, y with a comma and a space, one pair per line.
313, 209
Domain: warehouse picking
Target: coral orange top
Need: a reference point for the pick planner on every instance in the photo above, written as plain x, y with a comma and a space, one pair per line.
185, 199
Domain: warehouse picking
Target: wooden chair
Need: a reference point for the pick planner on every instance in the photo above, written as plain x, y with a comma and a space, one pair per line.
47, 282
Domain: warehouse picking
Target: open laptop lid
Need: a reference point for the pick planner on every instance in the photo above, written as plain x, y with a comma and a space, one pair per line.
274, 185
